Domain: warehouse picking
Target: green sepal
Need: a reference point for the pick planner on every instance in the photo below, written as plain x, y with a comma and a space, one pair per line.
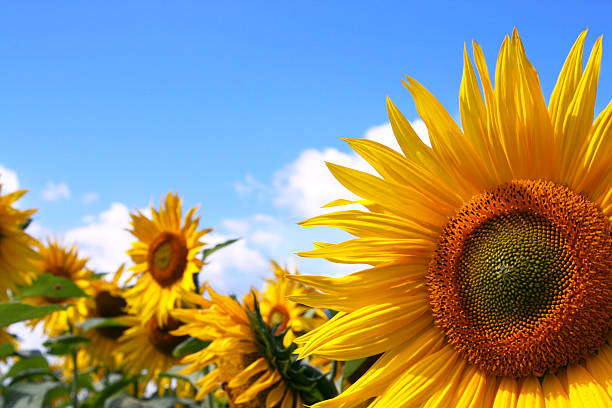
189, 346
312, 385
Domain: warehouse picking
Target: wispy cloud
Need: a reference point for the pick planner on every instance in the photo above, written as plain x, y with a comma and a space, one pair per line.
306, 184
104, 238
8, 180
89, 198
56, 191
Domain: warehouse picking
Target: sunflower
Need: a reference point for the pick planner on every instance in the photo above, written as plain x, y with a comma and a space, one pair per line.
491, 252
147, 348
165, 258
279, 308
106, 302
252, 366
65, 262
17, 254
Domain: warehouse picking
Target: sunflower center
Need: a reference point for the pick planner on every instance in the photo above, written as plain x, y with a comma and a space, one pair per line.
161, 338
167, 258
279, 315
108, 305
521, 281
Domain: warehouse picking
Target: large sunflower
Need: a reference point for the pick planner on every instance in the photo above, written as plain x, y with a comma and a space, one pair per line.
491, 251
17, 254
252, 366
165, 258
65, 262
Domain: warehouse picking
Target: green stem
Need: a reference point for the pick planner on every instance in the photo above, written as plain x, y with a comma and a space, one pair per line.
136, 388
75, 381
334, 371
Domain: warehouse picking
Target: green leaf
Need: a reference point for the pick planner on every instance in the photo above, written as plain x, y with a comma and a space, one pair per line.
28, 395
28, 353
189, 346
209, 251
6, 350
36, 362
351, 366
51, 286
95, 322
59, 392
64, 344
13, 312
34, 374
84, 380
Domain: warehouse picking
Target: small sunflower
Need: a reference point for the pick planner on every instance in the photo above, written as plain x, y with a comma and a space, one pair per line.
106, 302
17, 253
65, 262
147, 348
165, 258
279, 308
491, 251
252, 366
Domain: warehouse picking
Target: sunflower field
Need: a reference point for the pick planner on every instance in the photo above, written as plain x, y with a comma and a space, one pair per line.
489, 281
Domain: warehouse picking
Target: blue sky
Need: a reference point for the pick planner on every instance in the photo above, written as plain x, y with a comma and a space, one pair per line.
105, 106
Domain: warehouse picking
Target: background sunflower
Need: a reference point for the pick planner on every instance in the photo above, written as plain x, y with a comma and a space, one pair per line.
164, 258
252, 367
17, 254
59, 260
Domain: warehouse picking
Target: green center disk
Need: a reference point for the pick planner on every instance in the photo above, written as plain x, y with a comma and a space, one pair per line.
512, 272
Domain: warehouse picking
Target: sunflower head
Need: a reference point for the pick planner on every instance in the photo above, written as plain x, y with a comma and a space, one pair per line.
254, 367
18, 257
60, 260
107, 302
279, 308
491, 250
147, 348
164, 258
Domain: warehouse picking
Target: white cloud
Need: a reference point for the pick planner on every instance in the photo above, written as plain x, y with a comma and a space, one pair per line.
29, 338
421, 129
306, 184
55, 192
104, 238
89, 198
235, 267
8, 180
241, 265
39, 231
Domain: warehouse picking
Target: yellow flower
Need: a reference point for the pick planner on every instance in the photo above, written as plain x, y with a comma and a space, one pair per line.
66, 263
240, 347
147, 347
106, 302
17, 254
278, 305
165, 258
491, 251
